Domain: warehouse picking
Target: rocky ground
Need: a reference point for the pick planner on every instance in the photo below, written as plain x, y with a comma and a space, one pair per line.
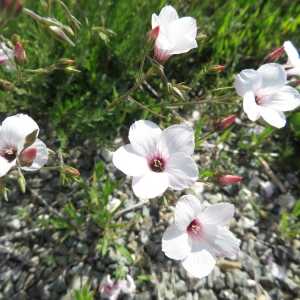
35, 265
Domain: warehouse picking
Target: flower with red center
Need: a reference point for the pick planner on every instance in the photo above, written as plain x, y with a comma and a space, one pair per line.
293, 62
13, 132
175, 36
158, 159
265, 94
197, 236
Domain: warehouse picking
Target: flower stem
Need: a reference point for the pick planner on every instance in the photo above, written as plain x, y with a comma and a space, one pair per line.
32, 14
148, 109
65, 7
141, 67
202, 138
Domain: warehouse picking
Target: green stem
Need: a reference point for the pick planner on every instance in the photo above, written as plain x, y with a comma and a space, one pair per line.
51, 168
65, 7
148, 109
141, 67
202, 138
195, 81
32, 14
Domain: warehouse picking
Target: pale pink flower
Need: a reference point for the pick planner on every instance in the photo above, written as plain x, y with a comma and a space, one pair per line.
158, 159
198, 236
175, 35
12, 138
293, 59
6, 59
265, 94
111, 289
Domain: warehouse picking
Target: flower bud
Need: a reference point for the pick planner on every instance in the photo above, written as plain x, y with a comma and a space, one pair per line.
20, 55
9, 10
214, 69
273, 57
183, 87
70, 171
293, 83
58, 34
51, 152
3, 191
225, 123
201, 37
170, 196
71, 70
74, 24
66, 29
176, 92
63, 63
30, 138
8, 85
159, 70
201, 29
22, 182
150, 39
9, 44
27, 157
220, 178
174, 119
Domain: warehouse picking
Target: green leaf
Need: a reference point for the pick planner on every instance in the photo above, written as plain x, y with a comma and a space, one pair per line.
124, 252
115, 94
296, 210
77, 295
283, 221
113, 226
144, 277
65, 236
104, 247
85, 291
295, 122
207, 173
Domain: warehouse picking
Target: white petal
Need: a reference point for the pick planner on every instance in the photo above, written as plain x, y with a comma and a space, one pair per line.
176, 243
217, 214
221, 239
16, 128
201, 260
250, 106
286, 99
162, 49
176, 138
143, 136
5, 166
130, 162
155, 21
247, 80
167, 15
182, 171
292, 53
274, 117
150, 185
41, 155
187, 209
273, 78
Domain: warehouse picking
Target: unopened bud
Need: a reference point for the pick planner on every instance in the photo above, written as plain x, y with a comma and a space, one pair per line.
174, 119
58, 34
273, 57
20, 55
51, 152
220, 178
169, 195
9, 44
71, 70
225, 123
74, 24
176, 92
214, 69
30, 138
3, 191
293, 83
43, 72
63, 63
150, 39
22, 182
159, 70
201, 37
8, 85
66, 29
201, 28
183, 87
70, 171
27, 157
10, 9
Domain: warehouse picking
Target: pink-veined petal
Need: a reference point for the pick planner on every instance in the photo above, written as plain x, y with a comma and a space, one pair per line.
287, 98
201, 260
155, 21
292, 53
247, 80
174, 139
150, 185
41, 155
187, 209
273, 117
143, 136
217, 214
167, 16
176, 243
182, 171
273, 79
130, 162
5, 166
221, 239
250, 107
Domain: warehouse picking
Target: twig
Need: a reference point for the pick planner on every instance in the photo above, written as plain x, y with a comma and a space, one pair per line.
173, 281
131, 207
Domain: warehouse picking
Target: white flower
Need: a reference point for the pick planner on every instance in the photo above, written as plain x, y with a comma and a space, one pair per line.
198, 236
5, 59
175, 35
293, 59
265, 94
12, 138
158, 159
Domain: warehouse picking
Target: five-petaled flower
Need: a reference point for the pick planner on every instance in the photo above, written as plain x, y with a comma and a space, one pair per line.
13, 132
158, 159
197, 236
293, 62
265, 94
175, 35
6, 55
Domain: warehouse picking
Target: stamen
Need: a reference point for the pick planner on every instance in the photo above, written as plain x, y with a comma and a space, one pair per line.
9, 151
157, 165
194, 228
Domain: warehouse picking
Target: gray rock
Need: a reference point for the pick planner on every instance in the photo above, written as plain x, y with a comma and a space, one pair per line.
240, 278
59, 285
286, 201
107, 155
228, 295
8, 290
42, 290
290, 285
82, 248
62, 260
14, 225
19, 296
29, 281
249, 296
268, 280
21, 281
187, 296
54, 275
181, 287
151, 249
145, 296
205, 294
169, 295
111, 256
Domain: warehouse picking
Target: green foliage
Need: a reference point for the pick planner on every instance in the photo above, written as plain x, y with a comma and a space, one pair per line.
50, 260
84, 295
290, 228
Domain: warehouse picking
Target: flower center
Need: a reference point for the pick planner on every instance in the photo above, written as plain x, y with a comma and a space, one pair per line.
194, 228
9, 154
157, 165
259, 100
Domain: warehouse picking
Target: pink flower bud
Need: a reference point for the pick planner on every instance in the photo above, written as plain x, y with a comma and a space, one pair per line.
63, 63
70, 171
27, 157
273, 57
225, 180
224, 124
150, 39
201, 37
214, 69
20, 54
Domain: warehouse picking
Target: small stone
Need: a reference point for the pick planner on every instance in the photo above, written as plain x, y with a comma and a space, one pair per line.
59, 285
29, 281
249, 296
286, 201
53, 276
290, 285
132, 246
205, 294
111, 256
42, 290
169, 295
151, 249
8, 290
107, 155
215, 198
21, 281
181, 287
228, 295
14, 225
82, 248
146, 296
240, 278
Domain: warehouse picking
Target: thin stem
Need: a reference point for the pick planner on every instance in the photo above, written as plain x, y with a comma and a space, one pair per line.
141, 67
148, 109
204, 181
51, 168
67, 10
224, 88
32, 14
195, 81
202, 138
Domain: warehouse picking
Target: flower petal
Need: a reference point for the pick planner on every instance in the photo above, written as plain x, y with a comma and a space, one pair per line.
292, 53
130, 162
274, 117
293, 71
221, 239
201, 260
286, 99
247, 80
273, 79
41, 155
187, 209
250, 106
143, 136
166, 16
182, 171
217, 214
150, 185
176, 138
5, 166
176, 243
